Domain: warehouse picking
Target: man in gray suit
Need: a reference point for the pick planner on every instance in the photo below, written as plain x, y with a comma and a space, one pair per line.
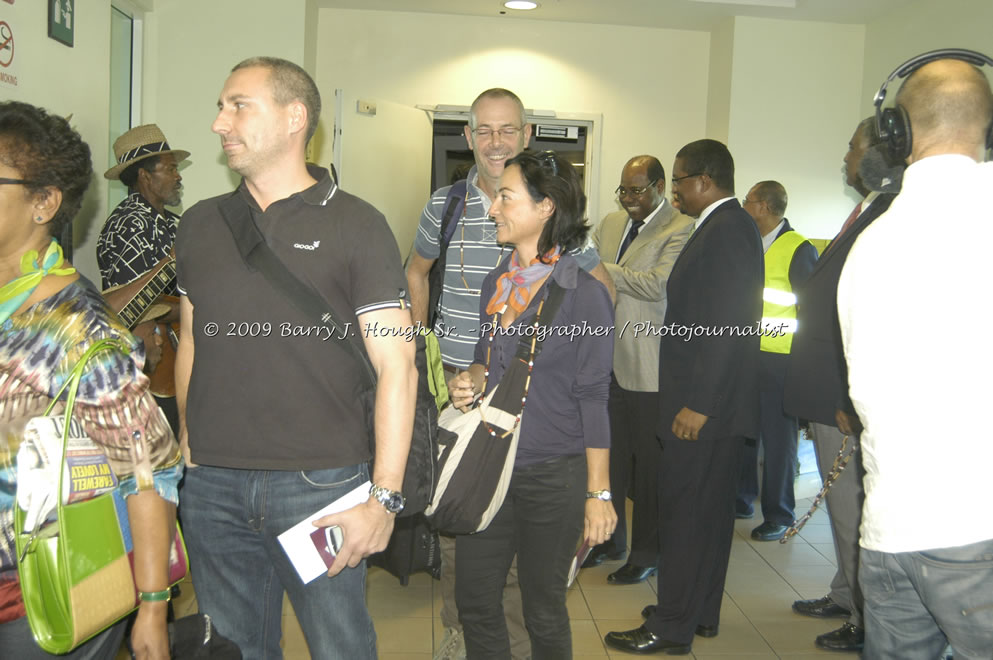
638, 247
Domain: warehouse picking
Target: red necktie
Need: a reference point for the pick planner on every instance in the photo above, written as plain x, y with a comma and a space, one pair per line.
848, 223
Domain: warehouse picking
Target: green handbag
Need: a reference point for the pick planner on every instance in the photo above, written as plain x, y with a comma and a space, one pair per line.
76, 574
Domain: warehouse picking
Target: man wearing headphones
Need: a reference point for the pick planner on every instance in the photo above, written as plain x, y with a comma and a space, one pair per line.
916, 340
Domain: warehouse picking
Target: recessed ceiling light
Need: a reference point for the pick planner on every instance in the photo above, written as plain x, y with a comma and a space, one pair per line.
520, 4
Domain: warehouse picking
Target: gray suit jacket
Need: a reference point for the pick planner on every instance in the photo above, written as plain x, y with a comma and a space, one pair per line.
640, 279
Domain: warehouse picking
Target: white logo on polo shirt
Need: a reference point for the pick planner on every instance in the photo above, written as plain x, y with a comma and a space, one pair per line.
301, 246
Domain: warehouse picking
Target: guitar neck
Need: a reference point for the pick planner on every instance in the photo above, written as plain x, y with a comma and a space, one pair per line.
146, 297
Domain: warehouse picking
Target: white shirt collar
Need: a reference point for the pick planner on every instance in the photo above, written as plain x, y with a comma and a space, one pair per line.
707, 211
770, 238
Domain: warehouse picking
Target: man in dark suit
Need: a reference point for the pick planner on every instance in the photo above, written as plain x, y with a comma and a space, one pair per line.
789, 258
708, 400
817, 390
638, 246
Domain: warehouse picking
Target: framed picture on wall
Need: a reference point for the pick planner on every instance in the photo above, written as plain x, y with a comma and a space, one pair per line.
61, 20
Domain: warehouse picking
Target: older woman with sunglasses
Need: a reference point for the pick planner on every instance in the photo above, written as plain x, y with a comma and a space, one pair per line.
559, 492
49, 316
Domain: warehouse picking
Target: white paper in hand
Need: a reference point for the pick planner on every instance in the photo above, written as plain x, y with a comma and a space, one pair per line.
298, 545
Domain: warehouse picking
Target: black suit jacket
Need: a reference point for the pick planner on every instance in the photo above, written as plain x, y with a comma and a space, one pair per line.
817, 377
803, 259
716, 283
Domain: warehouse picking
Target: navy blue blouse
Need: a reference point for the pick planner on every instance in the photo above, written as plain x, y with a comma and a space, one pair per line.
566, 409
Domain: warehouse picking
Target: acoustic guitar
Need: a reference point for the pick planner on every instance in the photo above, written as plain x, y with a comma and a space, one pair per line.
131, 301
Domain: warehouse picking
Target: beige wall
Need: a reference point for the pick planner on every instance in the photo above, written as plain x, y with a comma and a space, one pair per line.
795, 89
68, 80
922, 26
190, 48
650, 85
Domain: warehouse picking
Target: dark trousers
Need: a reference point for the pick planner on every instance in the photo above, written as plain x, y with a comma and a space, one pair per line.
778, 438
540, 521
634, 465
696, 523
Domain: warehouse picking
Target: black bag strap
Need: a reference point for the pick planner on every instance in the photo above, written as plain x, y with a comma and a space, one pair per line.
258, 255
553, 299
454, 205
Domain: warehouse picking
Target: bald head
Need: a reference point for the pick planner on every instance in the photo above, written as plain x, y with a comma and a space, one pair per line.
950, 108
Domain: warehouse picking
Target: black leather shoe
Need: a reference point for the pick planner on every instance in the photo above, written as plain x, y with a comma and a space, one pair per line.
701, 631
602, 553
769, 531
849, 637
630, 574
643, 640
821, 608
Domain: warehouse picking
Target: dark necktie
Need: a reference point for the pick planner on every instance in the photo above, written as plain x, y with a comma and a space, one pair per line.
629, 238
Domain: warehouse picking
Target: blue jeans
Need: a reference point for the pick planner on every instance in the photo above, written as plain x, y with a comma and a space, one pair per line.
918, 602
231, 519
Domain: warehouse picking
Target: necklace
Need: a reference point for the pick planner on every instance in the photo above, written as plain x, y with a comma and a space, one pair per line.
527, 382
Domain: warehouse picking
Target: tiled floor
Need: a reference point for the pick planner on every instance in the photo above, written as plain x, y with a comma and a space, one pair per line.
756, 621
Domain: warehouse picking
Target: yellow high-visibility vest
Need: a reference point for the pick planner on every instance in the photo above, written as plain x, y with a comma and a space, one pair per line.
778, 299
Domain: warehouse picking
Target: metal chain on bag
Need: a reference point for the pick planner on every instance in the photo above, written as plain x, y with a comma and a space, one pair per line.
840, 461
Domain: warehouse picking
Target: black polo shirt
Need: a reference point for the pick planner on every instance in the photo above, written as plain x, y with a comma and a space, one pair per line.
269, 390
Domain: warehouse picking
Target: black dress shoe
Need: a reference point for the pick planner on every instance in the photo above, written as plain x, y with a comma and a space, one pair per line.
701, 631
630, 574
602, 553
821, 608
849, 637
643, 640
769, 531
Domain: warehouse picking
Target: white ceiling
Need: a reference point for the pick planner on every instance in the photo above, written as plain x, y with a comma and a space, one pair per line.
676, 14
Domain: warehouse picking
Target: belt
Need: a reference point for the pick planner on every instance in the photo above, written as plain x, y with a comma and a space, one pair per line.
449, 369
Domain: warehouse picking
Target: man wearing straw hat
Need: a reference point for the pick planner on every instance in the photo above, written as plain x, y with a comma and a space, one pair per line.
140, 231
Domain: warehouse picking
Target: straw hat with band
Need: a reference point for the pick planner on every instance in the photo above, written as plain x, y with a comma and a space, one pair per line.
139, 143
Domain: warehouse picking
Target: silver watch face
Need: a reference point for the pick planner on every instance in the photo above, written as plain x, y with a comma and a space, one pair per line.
394, 503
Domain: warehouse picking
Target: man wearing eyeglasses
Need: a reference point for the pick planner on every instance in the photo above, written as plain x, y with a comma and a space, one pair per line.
497, 131
638, 247
708, 401
789, 259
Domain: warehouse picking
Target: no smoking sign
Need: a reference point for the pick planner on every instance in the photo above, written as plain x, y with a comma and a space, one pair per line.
6, 45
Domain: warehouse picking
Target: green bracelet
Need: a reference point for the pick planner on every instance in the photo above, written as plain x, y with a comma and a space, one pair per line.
155, 596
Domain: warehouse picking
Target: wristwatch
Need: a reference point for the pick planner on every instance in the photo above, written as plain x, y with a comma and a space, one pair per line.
392, 500
598, 495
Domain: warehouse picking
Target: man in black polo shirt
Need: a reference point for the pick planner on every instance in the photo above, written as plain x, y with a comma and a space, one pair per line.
269, 400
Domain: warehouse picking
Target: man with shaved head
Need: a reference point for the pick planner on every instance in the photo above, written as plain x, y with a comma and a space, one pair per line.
916, 340
638, 247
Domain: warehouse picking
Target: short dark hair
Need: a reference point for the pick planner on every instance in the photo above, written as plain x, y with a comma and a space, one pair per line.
712, 158
48, 152
549, 175
129, 175
289, 82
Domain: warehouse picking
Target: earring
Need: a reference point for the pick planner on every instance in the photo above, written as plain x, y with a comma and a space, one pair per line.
39, 220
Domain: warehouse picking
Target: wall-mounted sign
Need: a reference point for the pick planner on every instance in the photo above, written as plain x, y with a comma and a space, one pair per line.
61, 20
6, 54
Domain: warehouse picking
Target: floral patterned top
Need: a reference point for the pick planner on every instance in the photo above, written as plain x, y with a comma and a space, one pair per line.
38, 349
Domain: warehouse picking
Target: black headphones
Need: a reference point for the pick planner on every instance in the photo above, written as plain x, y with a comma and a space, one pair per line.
893, 124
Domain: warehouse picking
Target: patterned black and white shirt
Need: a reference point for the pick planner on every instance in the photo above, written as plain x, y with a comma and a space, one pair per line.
134, 239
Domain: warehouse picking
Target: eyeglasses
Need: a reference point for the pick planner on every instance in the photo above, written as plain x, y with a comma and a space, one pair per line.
507, 132
677, 179
745, 200
22, 182
634, 192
